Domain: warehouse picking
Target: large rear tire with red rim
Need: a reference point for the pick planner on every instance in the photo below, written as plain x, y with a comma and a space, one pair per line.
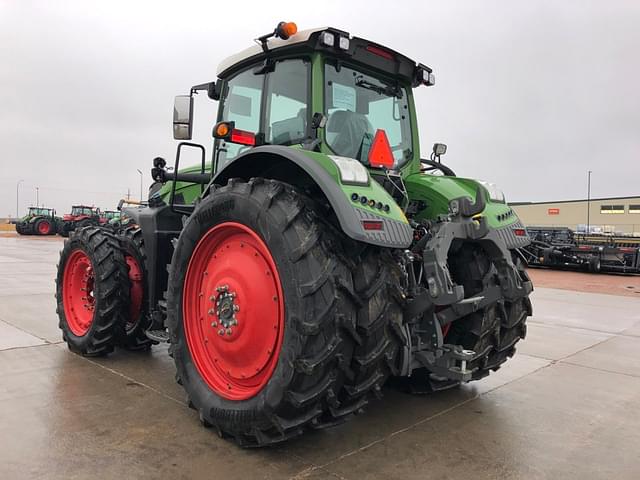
92, 290
260, 309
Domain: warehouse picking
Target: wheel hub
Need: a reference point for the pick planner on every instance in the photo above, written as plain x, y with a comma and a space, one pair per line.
225, 310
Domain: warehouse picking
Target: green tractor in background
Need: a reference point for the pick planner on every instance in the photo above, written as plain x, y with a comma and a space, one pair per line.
39, 221
317, 254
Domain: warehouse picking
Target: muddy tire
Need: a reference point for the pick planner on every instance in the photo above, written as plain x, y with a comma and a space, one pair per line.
92, 289
270, 247
135, 257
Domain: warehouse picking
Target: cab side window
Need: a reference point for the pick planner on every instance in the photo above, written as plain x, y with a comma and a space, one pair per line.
284, 120
242, 106
287, 98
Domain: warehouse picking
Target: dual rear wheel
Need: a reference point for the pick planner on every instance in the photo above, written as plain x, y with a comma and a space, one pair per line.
101, 299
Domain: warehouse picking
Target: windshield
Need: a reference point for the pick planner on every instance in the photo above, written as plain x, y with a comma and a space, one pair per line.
357, 105
39, 211
80, 211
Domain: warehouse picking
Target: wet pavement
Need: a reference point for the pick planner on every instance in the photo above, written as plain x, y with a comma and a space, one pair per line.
566, 406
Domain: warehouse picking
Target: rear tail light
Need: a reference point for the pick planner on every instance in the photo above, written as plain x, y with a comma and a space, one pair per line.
376, 225
242, 137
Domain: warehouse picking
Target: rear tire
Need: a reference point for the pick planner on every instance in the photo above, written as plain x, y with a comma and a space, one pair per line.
44, 227
377, 345
299, 388
134, 253
92, 288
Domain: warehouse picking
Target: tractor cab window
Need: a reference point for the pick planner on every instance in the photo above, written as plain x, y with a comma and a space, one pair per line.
80, 211
242, 106
284, 118
287, 97
357, 105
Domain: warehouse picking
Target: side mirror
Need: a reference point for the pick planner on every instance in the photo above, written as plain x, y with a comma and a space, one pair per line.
439, 149
182, 117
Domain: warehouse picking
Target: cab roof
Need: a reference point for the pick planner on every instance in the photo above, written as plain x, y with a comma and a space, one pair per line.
359, 51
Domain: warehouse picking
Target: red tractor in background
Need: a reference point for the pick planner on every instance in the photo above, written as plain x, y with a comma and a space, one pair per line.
80, 216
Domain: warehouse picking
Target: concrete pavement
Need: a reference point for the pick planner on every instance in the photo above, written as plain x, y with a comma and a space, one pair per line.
566, 406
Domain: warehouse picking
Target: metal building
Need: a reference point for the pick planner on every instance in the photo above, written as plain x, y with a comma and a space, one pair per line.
599, 215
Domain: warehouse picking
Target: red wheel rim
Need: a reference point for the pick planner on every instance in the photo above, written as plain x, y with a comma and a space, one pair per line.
44, 228
233, 311
77, 292
136, 292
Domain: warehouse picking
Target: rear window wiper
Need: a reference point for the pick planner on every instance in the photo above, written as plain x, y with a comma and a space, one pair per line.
382, 90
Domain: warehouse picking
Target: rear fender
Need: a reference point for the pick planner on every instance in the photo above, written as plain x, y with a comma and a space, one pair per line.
300, 167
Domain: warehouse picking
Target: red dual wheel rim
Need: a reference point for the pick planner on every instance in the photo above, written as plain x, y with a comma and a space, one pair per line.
233, 311
78, 292
44, 228
136, 292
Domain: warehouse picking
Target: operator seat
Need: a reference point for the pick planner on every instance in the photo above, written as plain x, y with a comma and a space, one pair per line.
346, 130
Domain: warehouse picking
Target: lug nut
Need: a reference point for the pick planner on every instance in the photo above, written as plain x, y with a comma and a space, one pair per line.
236, 308
229, 331
214, 324
211, 311
221, 331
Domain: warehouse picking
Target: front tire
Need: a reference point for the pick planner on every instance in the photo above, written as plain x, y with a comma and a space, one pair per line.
257, 313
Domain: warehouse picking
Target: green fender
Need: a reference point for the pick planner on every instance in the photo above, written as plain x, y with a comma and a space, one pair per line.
297, 166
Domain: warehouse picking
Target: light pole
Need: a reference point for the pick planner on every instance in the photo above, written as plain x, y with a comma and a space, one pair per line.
18, 198
588, 202
140, 172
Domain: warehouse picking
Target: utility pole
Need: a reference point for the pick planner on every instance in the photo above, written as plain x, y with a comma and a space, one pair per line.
140, 172
128, 193
37, 197
18, 198
588, 202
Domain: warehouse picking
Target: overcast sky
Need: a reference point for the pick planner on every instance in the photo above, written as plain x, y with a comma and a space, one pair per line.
529, 94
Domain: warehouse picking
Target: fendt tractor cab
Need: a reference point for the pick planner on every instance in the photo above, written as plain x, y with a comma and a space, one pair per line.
316, 254
80, 216
38, 221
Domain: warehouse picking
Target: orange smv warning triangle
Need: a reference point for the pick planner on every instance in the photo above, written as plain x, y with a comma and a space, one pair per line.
380, 155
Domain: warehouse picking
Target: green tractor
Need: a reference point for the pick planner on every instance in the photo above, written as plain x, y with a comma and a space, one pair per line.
39, 221
314, 257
